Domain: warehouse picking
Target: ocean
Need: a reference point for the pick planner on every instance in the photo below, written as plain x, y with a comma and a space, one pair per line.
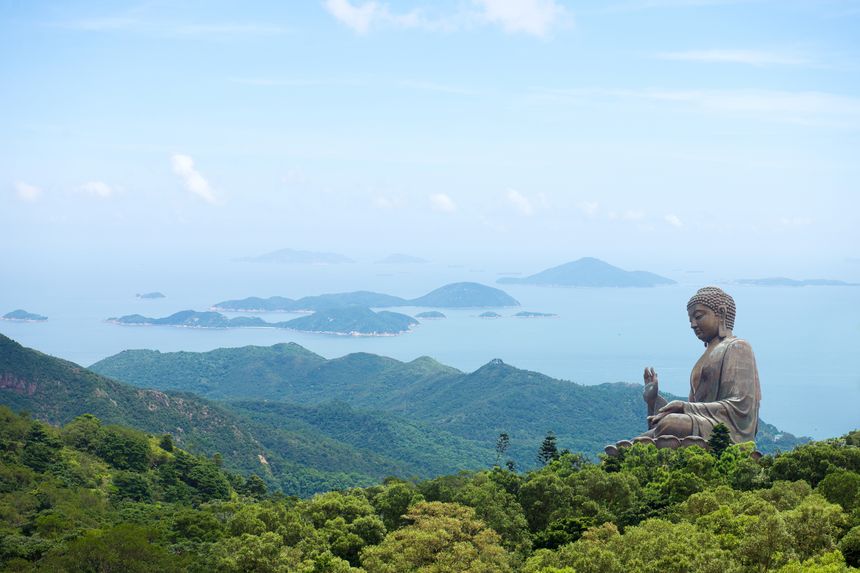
805, 339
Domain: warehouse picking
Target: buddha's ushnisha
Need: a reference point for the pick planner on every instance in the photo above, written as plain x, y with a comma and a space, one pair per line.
724, 384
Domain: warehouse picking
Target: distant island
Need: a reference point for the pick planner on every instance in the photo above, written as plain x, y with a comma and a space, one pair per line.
354, 321
430, 314
23, 316
150, 295
191, 319
782, 281
489, 314
589, 272
454, 295
294, 257
400, 259
526, 314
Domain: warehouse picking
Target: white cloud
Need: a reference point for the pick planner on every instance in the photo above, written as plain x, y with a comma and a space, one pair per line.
749, 57
361, 17
794, 222
183, 165
673, 220
534, 17
520, 202
589, 208
97, 188
27, 192
442, 203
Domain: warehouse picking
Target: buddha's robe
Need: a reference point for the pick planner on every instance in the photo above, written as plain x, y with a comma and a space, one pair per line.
724, 388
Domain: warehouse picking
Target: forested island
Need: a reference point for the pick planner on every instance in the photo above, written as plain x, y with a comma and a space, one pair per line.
527, 314
589, 272
454, 295
431, 314
349, 320
150, 295
23, 316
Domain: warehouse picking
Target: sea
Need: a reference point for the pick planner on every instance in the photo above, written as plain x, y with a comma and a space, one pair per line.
805, 339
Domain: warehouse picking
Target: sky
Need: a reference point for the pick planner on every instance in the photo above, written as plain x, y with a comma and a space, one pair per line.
655, 134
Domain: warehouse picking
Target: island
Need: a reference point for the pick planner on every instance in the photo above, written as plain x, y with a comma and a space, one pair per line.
294, 257
589, 272
430, 315
191, 319
489, 314
20, 315
150, 295
354, 321
401, 259
526, 314
782, 281
454, 295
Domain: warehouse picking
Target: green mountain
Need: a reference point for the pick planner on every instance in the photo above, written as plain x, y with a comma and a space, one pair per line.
477, 406
455, 295
301, 449
589, 272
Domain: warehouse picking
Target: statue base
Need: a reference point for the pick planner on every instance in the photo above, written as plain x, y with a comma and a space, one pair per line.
671, 442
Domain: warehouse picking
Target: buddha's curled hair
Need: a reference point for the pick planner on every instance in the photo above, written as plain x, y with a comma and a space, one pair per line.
715, 298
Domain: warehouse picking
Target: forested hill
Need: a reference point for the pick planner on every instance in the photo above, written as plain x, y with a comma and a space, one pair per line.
301, 451
89, 497
477, 406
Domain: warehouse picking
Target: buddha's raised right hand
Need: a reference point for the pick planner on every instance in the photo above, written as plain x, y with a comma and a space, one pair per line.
651, 390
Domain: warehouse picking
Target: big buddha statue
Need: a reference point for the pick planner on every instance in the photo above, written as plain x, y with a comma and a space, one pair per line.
724, 384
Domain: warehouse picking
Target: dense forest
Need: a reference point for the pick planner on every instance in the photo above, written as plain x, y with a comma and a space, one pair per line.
89, 496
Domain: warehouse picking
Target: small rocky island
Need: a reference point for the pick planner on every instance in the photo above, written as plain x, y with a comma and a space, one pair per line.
430, 315
454, 295
489, 314
354, 321
527, 314
589, 272
150, 295
20, 315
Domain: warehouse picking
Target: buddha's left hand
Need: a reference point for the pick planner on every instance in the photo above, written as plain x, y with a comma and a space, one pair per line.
673, 407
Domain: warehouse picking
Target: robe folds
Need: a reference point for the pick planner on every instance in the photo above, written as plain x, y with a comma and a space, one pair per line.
724, 388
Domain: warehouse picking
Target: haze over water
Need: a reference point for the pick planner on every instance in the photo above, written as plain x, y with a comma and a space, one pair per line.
803, 338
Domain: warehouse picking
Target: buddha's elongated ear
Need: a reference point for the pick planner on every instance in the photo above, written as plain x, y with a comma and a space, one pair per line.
721, 315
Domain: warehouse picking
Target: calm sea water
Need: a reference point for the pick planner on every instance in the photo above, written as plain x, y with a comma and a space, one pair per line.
805, 339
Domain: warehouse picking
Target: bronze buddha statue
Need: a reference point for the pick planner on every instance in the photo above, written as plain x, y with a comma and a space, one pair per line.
724, 384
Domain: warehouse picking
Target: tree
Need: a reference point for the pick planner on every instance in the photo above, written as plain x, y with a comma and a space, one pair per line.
720, 439
548, 450
166, 443
849, 545
443, 537
502, 446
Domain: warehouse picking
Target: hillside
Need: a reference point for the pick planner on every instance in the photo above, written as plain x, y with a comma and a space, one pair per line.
298, 450
589, 272
90, 497
478, 406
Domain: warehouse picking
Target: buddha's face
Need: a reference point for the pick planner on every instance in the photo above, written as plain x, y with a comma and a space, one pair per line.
704, 322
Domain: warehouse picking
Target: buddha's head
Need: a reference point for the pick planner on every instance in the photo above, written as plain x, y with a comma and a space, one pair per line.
712, 313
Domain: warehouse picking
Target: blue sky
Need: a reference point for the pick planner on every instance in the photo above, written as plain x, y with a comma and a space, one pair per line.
651, 133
